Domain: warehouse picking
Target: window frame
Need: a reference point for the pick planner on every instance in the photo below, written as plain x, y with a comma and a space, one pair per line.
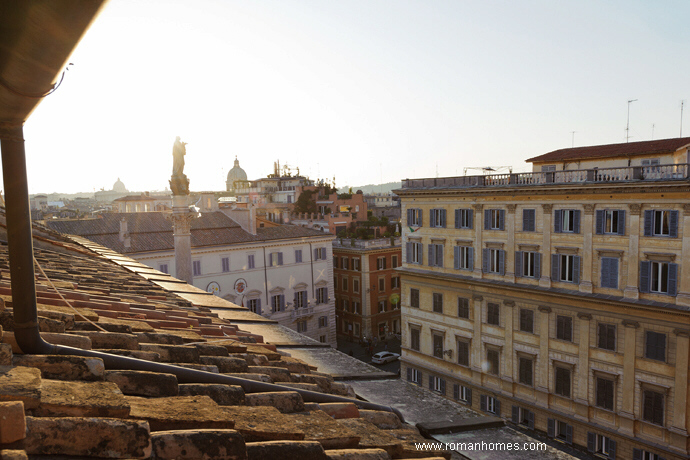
655, 351
437, 338
196, 268
463, 359
493, 313
415, 338
463, 306
604, 339
526, 373
604, 393
225, 264
658, 415
568, 323
437, 302
563, 381
414, 298
493, 359
529, 220
526, 322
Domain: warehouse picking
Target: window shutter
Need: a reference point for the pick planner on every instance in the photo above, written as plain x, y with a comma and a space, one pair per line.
637, 454
408, 252
258, 306
439, 256
498, 407
530, 420
470, 217
443, 387
612, 449
621, 222
487, 219
673, 225
485, 260
501, 219
432, 220
270, 260
419, 253
569, 434
282, 302
502, 262
316, 254
421, 218
605, 268
645, 266
515, 415
600, 222
431, 382
431, 260
295, 301
648, 222
456, 257
518, 263
576, 221
469, 396
482, 402
280, 258
537, 265
457, 218
557, 221
551, 428
325, 295
525, 220
613, 273
591, 441
555, 269
672, 279
409, 218
576, 269
409, 374
443, 218
456, 391
470, 255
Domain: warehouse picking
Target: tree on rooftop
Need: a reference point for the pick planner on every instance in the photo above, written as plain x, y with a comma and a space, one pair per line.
305, 203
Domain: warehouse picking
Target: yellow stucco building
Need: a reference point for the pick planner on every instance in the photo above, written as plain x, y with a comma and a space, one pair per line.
558, 299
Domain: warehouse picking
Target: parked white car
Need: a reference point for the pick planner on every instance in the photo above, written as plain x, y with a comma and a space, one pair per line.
383, 357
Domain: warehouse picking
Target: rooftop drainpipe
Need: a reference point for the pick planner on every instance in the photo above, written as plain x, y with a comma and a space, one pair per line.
27, 335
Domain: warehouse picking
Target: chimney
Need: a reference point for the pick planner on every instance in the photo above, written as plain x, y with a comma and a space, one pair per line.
124, 234
251, 227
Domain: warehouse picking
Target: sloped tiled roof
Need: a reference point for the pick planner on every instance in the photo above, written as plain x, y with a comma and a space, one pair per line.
656, 147
286, 232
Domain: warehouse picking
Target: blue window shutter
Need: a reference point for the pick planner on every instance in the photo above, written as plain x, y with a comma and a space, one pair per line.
482, 402
456, 257
457, 218
515, 415
409, 218
456, 391
576, 269
645, 266
672, 279
409, 374
498, 407
258, 305
432, 220
551, 428
408, 252
443, 387
431, 382
443, 218
280, 258
470, 215
576, 221
569, 434
295, 301
557, 220
637, 454
518, 263
431, 260
487, 219
439, 256
648, 222
600, 222
485, 260
605, 268
621, 222
533, 225
419, 253
270, 260
591, 441
502, 219
421, 218
525, 220
282, 302
613, 273
530, 420
325, 295
469, 396
502, 262
471, 257
537, 265
555, 269
612, 449
673, 225
316, 254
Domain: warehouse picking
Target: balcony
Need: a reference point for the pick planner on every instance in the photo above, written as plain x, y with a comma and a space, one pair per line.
302, 312
581, 176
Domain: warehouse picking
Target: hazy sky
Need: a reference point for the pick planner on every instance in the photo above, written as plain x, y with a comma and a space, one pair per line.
366, 91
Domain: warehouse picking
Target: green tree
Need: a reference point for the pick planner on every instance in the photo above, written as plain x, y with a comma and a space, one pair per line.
305, 203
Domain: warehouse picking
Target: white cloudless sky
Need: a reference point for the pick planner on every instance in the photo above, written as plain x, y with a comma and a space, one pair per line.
365, 91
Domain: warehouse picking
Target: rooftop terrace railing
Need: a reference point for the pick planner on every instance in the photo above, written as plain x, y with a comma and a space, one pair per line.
625, 174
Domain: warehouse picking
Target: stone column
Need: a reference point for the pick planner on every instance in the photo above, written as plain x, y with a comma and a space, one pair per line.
627, 412
478, 231
587, 228
683, 297
182, 223
509, 353
510, 245
680, 425
545, 280
477, 358
582, 373
631, 289
543, 364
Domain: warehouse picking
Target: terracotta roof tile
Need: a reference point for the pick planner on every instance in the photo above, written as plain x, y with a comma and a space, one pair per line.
613, 150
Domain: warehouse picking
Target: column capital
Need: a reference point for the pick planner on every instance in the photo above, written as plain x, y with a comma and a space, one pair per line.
544, 309
477, 297
589, 209
547, 207
509, 303
511, 208
635, 209
585, 316
478, 207
630, 323
682, 332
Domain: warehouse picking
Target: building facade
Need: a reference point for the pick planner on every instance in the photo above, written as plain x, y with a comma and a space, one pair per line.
367, 287
558, 299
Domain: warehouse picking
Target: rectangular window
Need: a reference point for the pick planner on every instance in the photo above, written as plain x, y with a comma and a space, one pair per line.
527, 320
301, 299
323, 321
605, 393
463, 218
462, 393
463, 308
655, 346
302, 326
609, 272
395, 282
225, 264
493, 261
163, 268
345, 263
659, 222
357, 330
564, 432
346, 305
463, 353
322, 338
335, 282
523, 417
607, 336
436, 255
255, 306
414, 298
567, 221
492, 358
490, 404
529, 220
564, 328
437, 302
438, 218
414, 253
567, 268
658, 277
493, 314
382, 306
343, 284
602, 446
196, 268
494, 219
277, 303
335, 261
355, 285
414, 376
610, 222
438, 345
526, 370
250, 261
382, 284
320, 254
356, 308
653, 407
298, 257
321, 295
527, 264
548, 168
394, 261
275, 259
662, 224
562, 378
437, 384
414, 338
414, 217
355, 264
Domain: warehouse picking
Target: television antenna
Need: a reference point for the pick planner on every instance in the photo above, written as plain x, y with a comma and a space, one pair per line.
627, 126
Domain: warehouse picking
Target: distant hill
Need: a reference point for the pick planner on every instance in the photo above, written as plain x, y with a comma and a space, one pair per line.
372, 188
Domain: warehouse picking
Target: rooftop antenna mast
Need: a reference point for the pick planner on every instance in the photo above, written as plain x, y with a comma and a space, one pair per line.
682, 103
573, 141
653, 131
627, 126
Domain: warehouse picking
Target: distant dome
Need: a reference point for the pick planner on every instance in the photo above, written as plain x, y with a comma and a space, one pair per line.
236, 173
118, 186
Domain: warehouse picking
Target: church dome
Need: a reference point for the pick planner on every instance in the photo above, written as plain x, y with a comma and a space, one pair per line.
118, 186
236, 173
